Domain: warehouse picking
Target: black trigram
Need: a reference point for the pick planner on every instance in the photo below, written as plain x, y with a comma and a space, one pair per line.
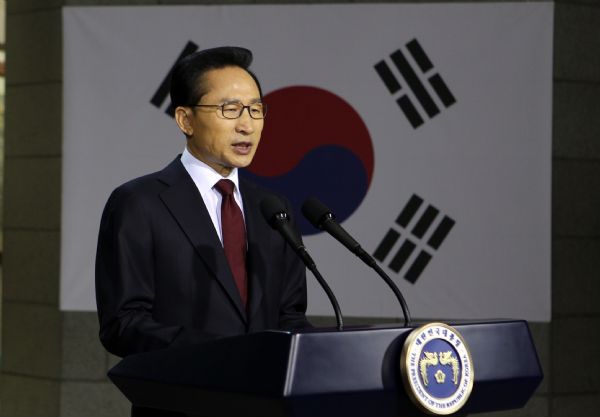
414, 83
162, 93
420, 228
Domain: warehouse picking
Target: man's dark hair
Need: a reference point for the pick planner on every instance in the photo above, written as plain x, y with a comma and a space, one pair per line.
186, 79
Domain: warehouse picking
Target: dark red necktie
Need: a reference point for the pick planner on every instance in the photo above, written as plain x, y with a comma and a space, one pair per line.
234, 236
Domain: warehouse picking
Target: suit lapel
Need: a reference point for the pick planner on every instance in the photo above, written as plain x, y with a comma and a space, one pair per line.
257, 231
187, 207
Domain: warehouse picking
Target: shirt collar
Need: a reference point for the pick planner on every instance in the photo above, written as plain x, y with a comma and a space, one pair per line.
203, 175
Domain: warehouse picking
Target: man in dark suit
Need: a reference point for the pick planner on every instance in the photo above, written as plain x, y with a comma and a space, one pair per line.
166, 273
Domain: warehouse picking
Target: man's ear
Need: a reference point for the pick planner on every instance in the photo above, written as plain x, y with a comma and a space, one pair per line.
183, 118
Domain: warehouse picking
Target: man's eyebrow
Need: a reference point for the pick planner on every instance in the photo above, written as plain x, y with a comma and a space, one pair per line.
235, 100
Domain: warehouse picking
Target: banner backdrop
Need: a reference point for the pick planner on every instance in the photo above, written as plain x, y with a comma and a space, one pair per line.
425, 128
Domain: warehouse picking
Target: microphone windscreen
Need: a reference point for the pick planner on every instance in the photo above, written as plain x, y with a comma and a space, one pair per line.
314, 211
270, 206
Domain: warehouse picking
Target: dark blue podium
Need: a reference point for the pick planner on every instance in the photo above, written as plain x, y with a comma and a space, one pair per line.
322, 372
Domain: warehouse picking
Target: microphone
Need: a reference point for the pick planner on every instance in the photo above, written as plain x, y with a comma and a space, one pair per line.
319, 215
273, 211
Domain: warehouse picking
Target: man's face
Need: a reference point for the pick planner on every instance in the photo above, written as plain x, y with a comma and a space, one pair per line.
224, 144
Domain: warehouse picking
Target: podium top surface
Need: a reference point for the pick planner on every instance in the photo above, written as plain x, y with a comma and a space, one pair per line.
326, 361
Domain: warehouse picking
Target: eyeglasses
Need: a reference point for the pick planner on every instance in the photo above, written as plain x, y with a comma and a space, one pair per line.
235, 110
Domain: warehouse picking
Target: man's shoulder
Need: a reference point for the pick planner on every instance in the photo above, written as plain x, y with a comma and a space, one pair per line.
147, 185
140, 183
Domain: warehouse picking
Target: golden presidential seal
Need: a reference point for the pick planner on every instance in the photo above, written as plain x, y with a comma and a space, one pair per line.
436, 368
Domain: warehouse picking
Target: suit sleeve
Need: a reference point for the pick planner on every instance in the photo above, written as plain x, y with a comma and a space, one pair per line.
125, 282
293, 298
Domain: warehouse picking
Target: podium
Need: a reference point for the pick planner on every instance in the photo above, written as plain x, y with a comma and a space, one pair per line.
323, 372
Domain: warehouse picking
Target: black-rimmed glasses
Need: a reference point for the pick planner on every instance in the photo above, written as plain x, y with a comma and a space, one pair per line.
235, 110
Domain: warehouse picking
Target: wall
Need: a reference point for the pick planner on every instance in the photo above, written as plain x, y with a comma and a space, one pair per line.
575, 381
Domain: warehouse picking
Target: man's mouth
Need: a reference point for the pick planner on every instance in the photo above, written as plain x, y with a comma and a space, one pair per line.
242, 148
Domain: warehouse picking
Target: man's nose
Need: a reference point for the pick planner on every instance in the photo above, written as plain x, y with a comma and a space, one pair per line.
245, 124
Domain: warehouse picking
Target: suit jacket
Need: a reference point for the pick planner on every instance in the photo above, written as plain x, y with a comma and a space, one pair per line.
162, 278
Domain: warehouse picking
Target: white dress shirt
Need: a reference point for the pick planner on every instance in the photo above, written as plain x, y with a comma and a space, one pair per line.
205, 179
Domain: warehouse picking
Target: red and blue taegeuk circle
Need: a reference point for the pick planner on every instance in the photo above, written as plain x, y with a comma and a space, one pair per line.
314, 144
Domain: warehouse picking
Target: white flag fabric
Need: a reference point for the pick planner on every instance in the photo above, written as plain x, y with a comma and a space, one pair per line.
425, 128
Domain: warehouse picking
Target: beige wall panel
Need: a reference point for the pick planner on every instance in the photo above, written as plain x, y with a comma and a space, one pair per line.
29, 397
31, 266
34, 47
83, 357
541, 338
575, 198
22, 6
575, 405
32, 193
576, 42
576, 120
575, 368
575, 267
33, 119
31, 340
538, 406
92, 399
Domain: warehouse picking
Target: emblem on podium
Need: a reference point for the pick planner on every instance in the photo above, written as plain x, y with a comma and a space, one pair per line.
436, 368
